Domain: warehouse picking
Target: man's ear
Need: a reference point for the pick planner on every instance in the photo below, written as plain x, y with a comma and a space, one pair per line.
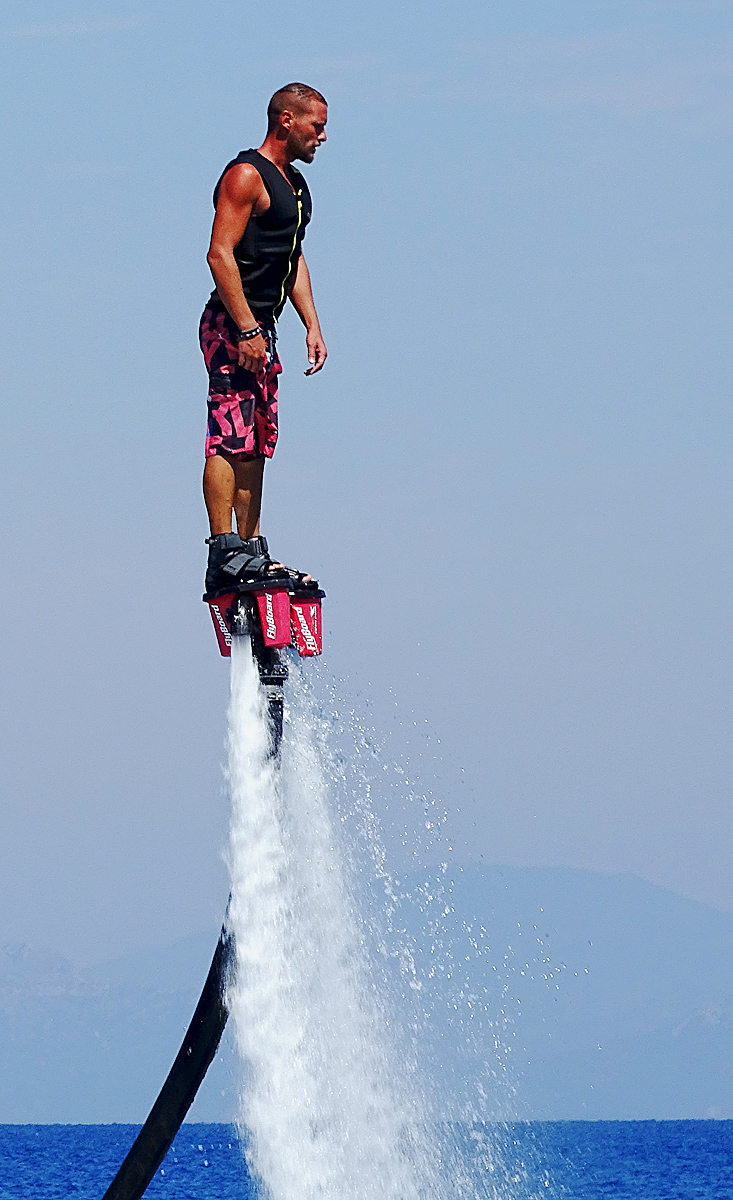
286, 119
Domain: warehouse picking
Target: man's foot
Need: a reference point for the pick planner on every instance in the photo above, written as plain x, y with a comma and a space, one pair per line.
233, 561
298, 579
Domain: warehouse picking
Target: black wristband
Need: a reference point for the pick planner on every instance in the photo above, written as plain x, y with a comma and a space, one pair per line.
246, 335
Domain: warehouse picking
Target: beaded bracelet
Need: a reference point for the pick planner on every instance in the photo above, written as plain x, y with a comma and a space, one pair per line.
246, 335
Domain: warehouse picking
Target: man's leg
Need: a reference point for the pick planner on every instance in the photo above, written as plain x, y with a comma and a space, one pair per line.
232, 482
248, 476
219, 493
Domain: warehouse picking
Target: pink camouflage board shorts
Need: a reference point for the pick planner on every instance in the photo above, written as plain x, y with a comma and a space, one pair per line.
242, 407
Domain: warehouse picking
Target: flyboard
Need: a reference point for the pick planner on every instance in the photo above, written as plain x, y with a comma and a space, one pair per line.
278, 619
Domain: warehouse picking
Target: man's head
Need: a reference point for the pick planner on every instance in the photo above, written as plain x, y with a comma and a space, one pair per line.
297, 116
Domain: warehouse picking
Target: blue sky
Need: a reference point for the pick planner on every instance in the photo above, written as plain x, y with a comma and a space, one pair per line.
513, 476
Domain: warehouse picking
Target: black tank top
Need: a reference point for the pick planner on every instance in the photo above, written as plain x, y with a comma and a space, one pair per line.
268, 251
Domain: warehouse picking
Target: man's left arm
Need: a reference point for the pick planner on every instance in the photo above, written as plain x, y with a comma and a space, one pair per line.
301, 295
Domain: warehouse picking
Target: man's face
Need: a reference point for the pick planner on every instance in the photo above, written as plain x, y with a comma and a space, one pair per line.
307, 131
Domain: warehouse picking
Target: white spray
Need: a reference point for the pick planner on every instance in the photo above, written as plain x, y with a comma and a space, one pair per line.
325, 1114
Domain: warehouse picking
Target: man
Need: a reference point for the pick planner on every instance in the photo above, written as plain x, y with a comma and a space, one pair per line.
262, 209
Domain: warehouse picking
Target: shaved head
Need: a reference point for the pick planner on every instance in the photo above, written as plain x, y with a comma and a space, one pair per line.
295, 98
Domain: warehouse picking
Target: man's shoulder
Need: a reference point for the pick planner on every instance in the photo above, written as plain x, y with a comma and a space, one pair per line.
241, 179
243, 170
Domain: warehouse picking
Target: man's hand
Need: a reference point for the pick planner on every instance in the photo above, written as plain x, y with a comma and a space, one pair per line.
317, 352
252, 354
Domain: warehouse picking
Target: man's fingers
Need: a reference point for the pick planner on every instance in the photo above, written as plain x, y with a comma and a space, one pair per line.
252, 364
253, 354
317, 358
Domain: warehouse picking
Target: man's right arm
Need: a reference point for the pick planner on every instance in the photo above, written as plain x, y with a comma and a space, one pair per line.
241, 195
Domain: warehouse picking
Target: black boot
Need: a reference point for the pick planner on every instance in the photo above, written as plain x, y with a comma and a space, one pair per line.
222, 547
235, 563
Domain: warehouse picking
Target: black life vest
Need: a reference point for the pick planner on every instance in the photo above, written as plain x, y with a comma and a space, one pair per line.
267, 253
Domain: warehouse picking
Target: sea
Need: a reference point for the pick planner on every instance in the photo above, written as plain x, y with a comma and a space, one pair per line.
575, 1160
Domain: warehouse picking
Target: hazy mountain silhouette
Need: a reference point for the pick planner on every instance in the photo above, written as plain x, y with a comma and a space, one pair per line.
560, 993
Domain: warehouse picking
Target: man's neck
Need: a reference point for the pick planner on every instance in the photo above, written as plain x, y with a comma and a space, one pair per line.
274, 149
